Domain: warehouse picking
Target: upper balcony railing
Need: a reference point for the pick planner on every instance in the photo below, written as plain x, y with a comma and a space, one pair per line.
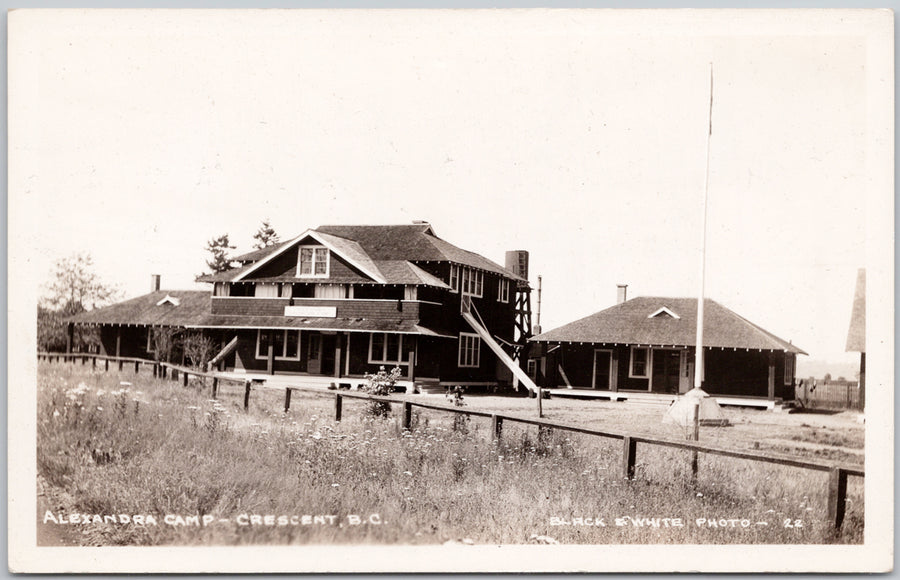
318, 307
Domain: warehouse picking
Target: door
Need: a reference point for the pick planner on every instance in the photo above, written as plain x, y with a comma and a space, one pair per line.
602, 369
314, 354
666, 371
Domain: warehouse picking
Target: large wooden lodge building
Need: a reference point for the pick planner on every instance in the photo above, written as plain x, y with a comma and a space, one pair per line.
340, 302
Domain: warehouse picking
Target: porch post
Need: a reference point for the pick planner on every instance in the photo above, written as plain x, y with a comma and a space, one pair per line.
771, 376
614, 379
270, 358
70, 337
338, 341
118, 341
411, 356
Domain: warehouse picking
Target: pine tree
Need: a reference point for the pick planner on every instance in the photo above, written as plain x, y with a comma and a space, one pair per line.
219, 248
265, 236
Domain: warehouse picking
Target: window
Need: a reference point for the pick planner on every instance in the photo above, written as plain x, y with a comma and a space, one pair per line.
640, 363
331, 291
788, 368
532, 369
387, 348
313, 262
454, 278
472, 282
469, 350
266, 290
503, 290
221, 289
286, 344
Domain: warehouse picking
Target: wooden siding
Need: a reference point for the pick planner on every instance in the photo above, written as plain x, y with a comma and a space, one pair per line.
385, 309
728, 371
285, 265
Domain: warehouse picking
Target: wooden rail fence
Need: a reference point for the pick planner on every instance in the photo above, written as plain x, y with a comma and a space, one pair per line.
838, 473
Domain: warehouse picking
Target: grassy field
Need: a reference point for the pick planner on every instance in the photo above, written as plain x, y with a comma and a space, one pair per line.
155, 449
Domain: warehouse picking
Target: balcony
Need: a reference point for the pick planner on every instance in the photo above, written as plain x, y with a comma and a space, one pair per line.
318, 307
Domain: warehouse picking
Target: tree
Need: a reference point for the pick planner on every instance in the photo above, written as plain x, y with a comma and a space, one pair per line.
265, 236
220, 260
74, 288
198, 349
163, 340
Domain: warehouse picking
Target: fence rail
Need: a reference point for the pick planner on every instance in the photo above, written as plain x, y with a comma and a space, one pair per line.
838, 473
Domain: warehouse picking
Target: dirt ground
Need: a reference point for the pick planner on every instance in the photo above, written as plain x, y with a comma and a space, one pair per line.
827, 436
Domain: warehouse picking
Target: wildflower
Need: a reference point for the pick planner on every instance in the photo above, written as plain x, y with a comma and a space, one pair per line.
407, 473
335, 485
699, 494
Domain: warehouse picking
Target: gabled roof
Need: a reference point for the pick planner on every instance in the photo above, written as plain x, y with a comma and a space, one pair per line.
347, 249
856, 336
152, 309
414, 243
374, 250
257, 255
628, 323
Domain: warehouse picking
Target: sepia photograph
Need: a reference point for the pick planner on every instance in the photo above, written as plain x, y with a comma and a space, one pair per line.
473, 290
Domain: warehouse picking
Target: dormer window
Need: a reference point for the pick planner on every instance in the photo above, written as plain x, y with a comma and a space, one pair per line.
313, 262
664, 313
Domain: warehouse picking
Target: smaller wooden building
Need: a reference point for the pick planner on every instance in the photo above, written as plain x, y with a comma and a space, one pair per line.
647, 345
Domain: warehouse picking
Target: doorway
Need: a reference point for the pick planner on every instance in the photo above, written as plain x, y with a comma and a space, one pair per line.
602, 369
314, 354
666, 371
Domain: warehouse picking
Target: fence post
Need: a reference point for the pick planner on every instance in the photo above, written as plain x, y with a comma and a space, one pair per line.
540, 402
287, 399
121, 365
93, 362
137, 365
837, 496
174, 374
106, 364
84, 362
246, 395
497, 427
184, 378
407, 414
696, 437
629, 458
338, 407
215, 387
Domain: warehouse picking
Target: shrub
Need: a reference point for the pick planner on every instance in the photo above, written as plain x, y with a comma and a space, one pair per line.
381, 384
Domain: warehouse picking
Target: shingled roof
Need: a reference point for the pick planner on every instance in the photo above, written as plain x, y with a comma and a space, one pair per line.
193, 311
381, 248
147, 310
632, 323
856, 336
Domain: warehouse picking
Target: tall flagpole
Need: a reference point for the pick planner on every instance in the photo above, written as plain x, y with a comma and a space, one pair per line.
698, 361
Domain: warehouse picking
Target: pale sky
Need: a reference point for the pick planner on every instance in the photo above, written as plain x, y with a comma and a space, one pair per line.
577, 135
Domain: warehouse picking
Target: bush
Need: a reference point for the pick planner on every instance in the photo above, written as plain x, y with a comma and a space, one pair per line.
381, 384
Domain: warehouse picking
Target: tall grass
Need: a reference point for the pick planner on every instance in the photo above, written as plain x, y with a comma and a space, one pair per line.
159, 448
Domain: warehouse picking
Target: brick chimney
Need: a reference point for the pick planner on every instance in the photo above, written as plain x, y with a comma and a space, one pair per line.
621, 293
154, 282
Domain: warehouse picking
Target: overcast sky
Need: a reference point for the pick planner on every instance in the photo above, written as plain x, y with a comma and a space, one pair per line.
579, 136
